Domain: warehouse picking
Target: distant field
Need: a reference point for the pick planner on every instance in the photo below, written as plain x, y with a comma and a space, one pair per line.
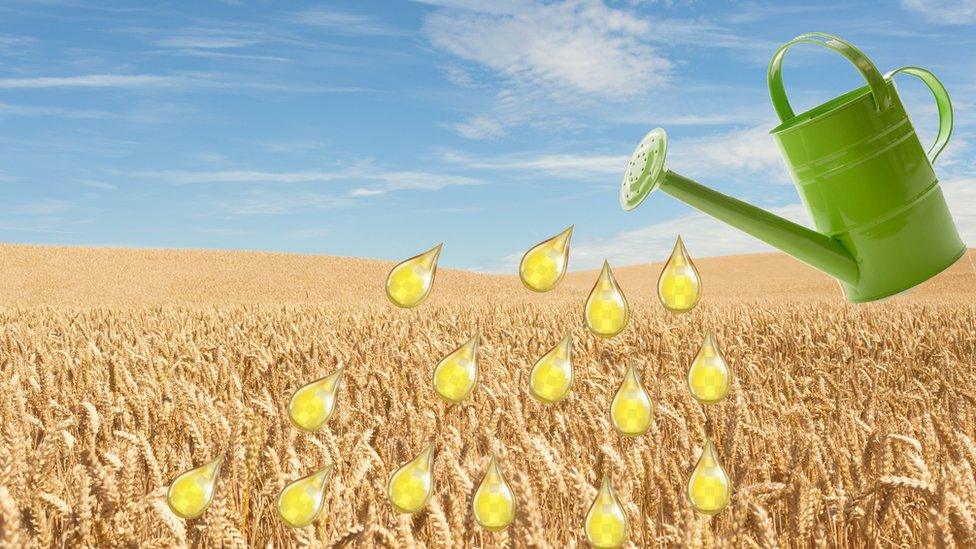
850, 425
105, 277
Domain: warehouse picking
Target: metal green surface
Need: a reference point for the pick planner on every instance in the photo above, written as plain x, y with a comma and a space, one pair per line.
882, 222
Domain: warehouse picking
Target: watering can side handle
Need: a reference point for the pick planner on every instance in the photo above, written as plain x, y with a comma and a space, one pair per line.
941, 100
777, 92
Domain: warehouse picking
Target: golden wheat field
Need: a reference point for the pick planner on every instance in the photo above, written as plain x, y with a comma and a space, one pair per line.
847, 425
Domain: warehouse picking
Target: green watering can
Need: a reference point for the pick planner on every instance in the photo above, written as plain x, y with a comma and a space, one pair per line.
882, 223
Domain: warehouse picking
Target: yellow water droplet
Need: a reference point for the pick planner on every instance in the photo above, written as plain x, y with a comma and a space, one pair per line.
606, 521
709, 487
544, 265
410, 281
191, 492
410, 486
552, 376
632, 411
679, 286
607, 312
493, 503
302, 501
312, 405
709, 376
457, 374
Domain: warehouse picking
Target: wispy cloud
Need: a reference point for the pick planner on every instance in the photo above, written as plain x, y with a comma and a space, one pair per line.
264, 202
205, 42
38, 228
948, 12
746, 151
484, 127
311, 232
188, 177
94, 81
100, 185
565, 166
39, 208
10, 44
361, 191
291, 145
342, 22
212, 81
546, 55
218, 43
374, 182
224, 232
557, 62
583, 47
56, 112
222, 54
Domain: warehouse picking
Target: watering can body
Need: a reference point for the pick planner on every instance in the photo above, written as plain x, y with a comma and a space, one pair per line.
882, 223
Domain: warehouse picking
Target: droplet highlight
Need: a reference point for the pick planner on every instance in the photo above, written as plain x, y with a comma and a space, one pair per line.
679, 286
709, 487
552, 375
312, 405
494, 504
410, 281
606, 521
607, 311
412, 484
632, 411
192, 492
544, 265
302, 501
709, 377
456, 375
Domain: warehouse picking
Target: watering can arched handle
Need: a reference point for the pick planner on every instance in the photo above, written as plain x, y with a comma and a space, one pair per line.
777, 93
941, 100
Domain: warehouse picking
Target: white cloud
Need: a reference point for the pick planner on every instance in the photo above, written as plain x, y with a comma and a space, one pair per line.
309, 233
584, 47
204, 42
100, 185
406, 180
188, 177
27, 110
568, 166
481, 127
570, 59
92, 81
291, 146
949, 12
152, 82
384, 181
342, 22
365, 192
548, 58
748, 151
960, 195
262, 202
743, 153
40, 208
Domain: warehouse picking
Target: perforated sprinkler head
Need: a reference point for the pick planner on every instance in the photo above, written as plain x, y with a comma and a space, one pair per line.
644, 170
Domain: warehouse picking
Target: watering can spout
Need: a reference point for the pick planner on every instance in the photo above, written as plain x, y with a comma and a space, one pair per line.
822, 252
646, 173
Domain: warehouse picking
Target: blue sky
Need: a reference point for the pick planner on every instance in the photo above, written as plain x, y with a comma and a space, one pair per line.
378, 129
